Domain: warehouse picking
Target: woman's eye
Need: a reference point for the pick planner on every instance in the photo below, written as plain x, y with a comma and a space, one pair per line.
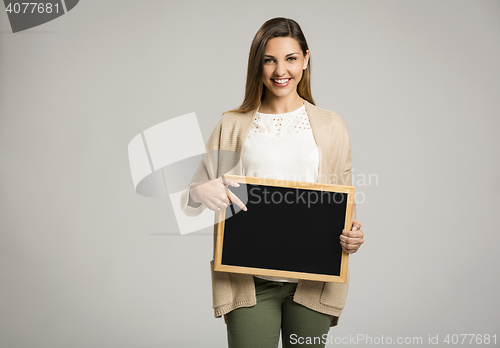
270, 60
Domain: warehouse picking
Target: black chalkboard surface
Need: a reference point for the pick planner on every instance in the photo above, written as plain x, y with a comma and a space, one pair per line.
291, 229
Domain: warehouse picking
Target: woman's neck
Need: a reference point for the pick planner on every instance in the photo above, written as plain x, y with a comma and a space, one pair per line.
272, 104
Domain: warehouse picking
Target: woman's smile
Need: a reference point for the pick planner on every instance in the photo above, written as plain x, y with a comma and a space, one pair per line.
281, 82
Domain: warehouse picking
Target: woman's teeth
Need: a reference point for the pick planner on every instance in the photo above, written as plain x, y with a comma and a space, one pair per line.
281, 81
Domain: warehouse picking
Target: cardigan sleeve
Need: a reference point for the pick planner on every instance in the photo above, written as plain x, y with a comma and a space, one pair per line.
346, 178
206, 171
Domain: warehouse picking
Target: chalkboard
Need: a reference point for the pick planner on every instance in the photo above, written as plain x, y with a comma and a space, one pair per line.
291, 229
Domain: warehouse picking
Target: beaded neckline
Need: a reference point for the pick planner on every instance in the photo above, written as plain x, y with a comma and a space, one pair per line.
281, 125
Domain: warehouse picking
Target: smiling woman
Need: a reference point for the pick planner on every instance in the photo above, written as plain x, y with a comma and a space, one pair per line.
277, 131
278, 48
282, 71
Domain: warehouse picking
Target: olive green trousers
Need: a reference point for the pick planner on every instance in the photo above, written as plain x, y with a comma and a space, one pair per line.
259, 326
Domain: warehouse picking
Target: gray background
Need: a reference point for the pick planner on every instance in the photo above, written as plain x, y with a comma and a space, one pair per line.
86, 262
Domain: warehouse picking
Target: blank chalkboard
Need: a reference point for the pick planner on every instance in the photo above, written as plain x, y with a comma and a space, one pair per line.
291, 229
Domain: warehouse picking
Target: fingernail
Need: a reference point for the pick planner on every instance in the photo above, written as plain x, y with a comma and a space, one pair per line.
237, 185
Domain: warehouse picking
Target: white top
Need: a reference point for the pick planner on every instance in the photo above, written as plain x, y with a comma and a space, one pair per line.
281, 146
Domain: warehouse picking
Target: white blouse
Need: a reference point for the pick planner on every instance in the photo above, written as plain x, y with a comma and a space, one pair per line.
281, 146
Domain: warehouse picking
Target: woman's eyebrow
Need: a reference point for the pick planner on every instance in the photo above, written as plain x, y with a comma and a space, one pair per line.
289, 54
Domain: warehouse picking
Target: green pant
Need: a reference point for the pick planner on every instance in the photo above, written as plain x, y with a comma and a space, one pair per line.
259, 326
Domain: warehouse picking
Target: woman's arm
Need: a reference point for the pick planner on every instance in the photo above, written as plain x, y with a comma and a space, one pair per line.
350, 240
204, 173
206, 189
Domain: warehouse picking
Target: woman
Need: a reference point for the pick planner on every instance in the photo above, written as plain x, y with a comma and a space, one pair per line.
284, 136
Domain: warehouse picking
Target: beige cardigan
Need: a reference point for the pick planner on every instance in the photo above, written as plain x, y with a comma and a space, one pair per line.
224, 149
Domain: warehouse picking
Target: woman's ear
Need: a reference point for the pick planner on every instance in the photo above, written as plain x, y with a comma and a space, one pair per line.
306, 60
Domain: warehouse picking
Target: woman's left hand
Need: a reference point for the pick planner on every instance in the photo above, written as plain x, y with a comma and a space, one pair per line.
352, 240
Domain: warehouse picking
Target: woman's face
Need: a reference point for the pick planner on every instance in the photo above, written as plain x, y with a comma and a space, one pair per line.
283, 66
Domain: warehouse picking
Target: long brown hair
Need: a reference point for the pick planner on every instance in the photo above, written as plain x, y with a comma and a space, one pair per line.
254, 89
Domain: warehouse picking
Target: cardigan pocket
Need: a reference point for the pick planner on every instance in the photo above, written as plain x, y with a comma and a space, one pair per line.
221, 287
334, 294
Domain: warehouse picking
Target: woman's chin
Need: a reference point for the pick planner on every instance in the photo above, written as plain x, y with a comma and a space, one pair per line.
281, 93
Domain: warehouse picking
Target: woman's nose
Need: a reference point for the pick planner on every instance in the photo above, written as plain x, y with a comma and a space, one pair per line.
280, 69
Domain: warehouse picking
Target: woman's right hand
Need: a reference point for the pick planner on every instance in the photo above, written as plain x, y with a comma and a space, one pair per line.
213, 194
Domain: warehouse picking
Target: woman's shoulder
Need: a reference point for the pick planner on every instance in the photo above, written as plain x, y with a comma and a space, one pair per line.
324, 116
230, 117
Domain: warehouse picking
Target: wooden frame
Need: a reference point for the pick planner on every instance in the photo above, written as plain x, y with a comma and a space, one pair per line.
312, 267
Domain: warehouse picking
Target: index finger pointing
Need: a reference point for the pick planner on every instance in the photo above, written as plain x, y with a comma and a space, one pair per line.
233, 198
